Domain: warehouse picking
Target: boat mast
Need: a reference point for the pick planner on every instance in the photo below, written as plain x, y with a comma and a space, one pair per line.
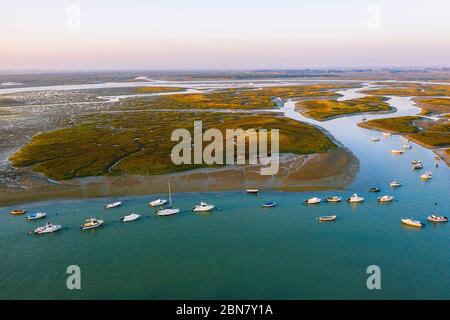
170, 194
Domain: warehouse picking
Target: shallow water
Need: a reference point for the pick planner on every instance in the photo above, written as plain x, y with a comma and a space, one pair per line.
242, 250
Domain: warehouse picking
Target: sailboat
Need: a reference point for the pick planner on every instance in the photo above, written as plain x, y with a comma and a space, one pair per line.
168, 211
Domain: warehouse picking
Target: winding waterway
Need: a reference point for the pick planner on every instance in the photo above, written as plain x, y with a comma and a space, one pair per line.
242, 250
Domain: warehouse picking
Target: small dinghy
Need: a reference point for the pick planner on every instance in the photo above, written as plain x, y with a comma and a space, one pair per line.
327, 218
355, 198
418, 166
385, 199
426, 176
91, 223
313, 200
395, 184
437, 218
269, 204
203, 207
113, 205
396, 151
48, 228
374, 189
18, 212
374, 139
412, 223
130, 217
157, 203
333, 199
252, 191
38, 215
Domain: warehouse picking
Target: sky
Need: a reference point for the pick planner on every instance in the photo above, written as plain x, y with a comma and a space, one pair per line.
231, 34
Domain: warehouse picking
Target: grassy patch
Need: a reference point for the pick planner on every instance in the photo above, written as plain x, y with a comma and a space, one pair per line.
421, 130
138, 143
326, 109
232, 98
411, 89
434, 106
158, 89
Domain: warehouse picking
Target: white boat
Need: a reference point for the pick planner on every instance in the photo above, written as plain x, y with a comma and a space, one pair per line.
355, 198
395, 184
168, 211
313, 200
38, 215
91, 223
203, 207
437, 218
48, 228
387, 134
374, 139
426, 176
416, 162
327, 218
407, 146
418, 166
130, 217
396, 151
333, 199
412, 223
252, 191
385, 198
113, 205
157, 203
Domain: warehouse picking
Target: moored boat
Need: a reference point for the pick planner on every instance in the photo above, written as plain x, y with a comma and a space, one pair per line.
374, 189
113, 205
416, 161
397, 151
385, 198
157, 203
437, 218
168, 211
91, 223
418, 166
375, 139
48, 228
313, 200
407, 146
252, 191
426, 176
412, 223
387, 134
18, 212
130, 217
355, 198
395, 184
269, 204
203, 207
333, 199
327, 218
38, 215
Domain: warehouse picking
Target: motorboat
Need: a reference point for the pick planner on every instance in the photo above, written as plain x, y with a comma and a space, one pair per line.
327, 218
38, 215
130, 217
386, 198
374, 189
374, 139
416, 161
91, 223
333, 199
113, 205
203, 207
168, 211
395, 184
412, 223
313, 200
18, 212
355, 198
48, 228
418, 166
252, 191
397, 151
407, 146
157, 203
269, 204
437, 218
426, 176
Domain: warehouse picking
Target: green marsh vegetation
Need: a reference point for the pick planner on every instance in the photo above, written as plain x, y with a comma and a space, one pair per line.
434, 105
158, 89
138, 143
411, 89
327, 109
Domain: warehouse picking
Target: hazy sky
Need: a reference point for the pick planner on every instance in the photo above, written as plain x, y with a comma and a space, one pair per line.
228, 34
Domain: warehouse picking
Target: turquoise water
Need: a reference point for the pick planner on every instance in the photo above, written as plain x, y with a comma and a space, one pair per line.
243, 251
